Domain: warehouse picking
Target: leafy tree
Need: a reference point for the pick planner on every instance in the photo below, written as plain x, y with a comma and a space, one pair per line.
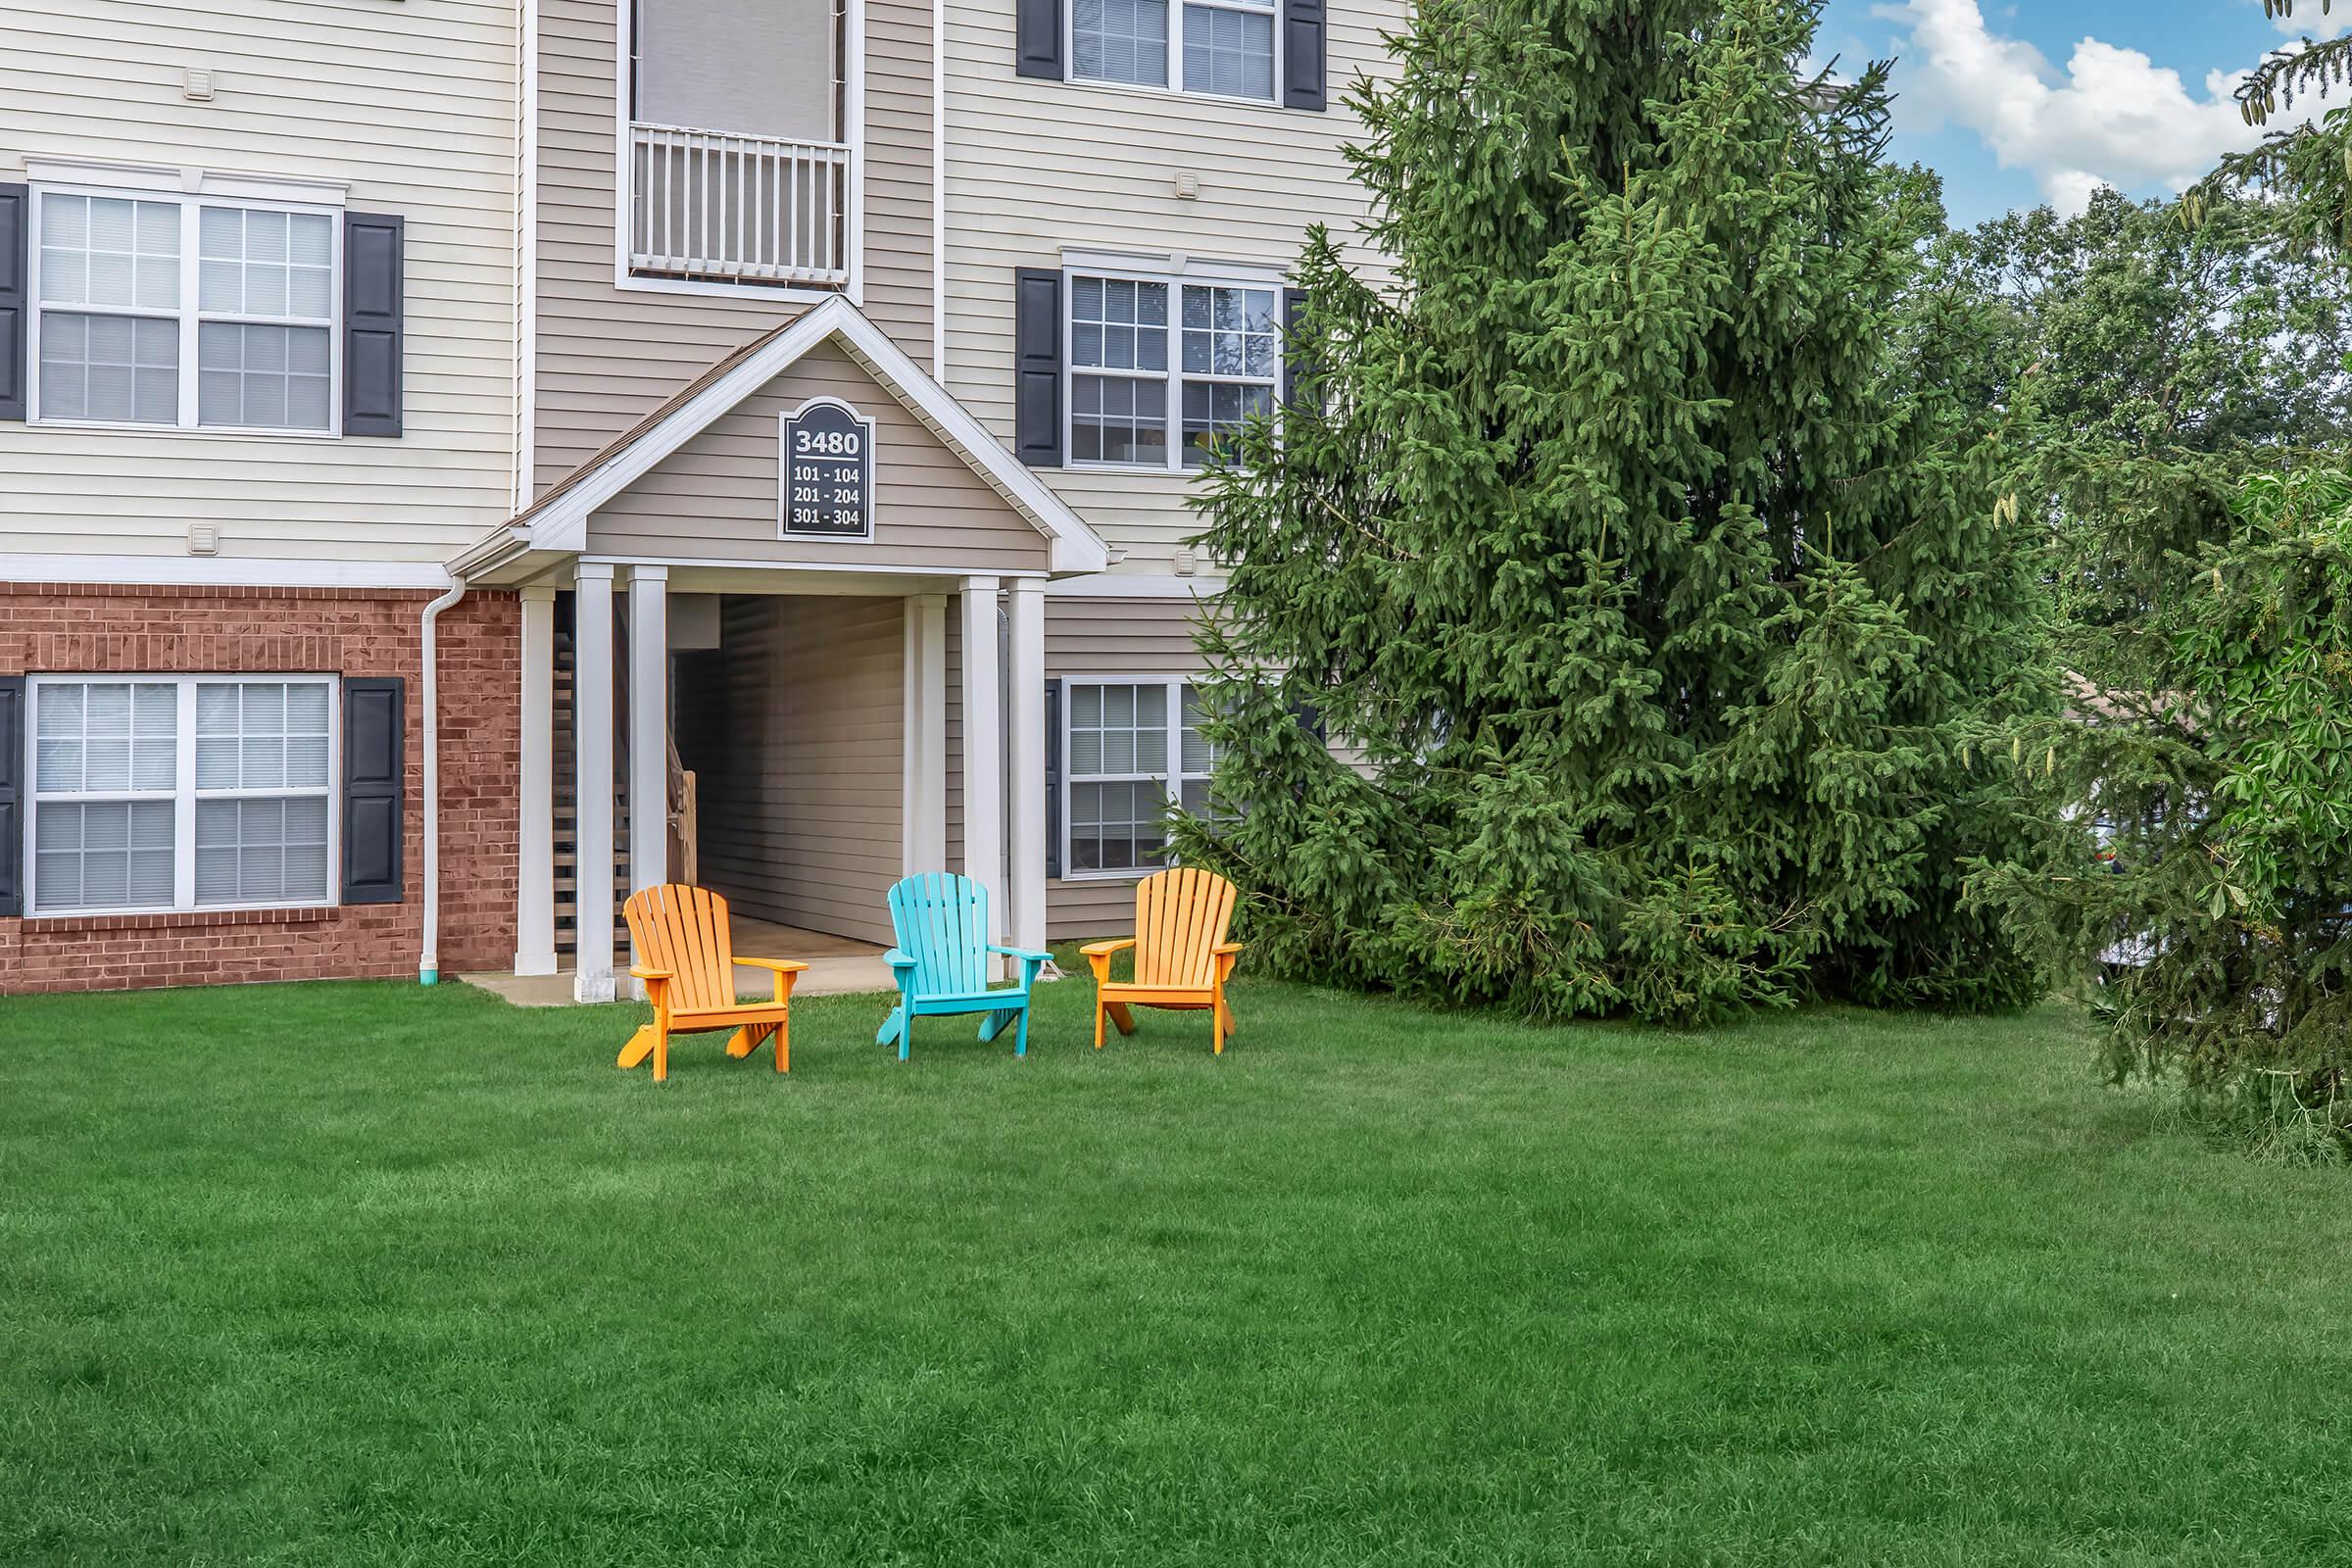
2221, 779
2180, 405
2186, 366
1634, 524
2144, 333
2149, 369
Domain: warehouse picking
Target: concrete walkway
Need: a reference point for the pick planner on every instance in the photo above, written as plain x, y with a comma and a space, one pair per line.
837, 966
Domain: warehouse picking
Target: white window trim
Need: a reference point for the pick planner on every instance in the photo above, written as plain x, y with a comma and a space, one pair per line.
188, 314
852, 120
1172, 88
98, 176
1172, 785
1163, 266
183, 792
1174, 377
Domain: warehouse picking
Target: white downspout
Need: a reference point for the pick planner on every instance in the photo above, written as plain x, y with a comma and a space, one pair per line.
429, 968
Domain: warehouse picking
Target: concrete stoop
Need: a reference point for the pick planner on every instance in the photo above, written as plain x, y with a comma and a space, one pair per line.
837, 966
824, 977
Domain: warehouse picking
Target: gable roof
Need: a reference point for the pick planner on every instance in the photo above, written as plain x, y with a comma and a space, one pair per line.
559, 518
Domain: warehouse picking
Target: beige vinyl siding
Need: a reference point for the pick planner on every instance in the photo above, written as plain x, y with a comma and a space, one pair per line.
302, 91
1120, 636
716, 498
1035, 167
794, 729
607, 354
1085, 912
1144, 638
1084, 637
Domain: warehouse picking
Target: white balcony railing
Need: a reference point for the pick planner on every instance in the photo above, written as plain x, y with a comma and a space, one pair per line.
711, 204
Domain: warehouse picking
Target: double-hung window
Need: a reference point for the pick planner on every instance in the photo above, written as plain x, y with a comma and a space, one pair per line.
1120, 739
1225, 48
180, 793
189, 313
1136, 399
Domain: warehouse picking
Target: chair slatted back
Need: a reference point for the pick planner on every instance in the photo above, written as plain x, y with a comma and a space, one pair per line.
1180, 917
942, 923
684, 930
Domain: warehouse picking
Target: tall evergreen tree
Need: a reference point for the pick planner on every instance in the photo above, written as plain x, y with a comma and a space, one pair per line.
1633, 520
2306, 160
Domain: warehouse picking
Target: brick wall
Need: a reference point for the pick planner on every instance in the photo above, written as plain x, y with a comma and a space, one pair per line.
50, 628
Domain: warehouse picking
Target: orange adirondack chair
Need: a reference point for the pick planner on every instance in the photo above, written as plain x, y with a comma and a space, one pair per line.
1182, 958
686, 959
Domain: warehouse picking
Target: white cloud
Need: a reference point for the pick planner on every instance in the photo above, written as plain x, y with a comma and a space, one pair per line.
2070, 190
2114, 117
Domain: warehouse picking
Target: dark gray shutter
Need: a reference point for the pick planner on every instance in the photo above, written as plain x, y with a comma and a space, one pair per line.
374, 765
1037, 50
1037, 367
373, 327
12, 795
1294, 361
1302, 54
1052, 779
1310, 718
16, 298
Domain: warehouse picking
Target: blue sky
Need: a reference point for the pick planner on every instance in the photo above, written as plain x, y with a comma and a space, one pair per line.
2021, 101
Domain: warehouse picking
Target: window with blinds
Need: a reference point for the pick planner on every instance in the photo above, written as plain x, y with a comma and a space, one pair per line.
110, 309
262, 750
185, 793
105, 769
265, 299
1162, 370
195, 314
1223, 48
1118, 742
1229, 49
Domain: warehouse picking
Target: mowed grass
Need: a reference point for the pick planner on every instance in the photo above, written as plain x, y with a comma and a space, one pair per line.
366, 1274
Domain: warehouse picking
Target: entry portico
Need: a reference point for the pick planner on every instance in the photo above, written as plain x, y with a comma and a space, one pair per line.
847, 679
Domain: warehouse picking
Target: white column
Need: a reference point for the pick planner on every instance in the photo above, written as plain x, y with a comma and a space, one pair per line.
923, 798
592, 782
982, 750
535, 838
649, 727
1025, 735
649, 734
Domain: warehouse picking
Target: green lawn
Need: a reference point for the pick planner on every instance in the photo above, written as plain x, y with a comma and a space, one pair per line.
362, 1274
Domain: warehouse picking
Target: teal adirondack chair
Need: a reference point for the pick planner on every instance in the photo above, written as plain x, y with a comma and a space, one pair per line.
941, 961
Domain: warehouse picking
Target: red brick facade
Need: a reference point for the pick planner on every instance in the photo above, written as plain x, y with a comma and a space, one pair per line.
50, 628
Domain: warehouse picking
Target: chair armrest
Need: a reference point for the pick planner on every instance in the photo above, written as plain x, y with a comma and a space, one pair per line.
1228, 949
1031, 961
784, 970
898, 959
1098, 956
656, 985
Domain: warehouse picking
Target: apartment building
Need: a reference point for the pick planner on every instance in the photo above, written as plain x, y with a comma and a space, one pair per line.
257, 348
796, 397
